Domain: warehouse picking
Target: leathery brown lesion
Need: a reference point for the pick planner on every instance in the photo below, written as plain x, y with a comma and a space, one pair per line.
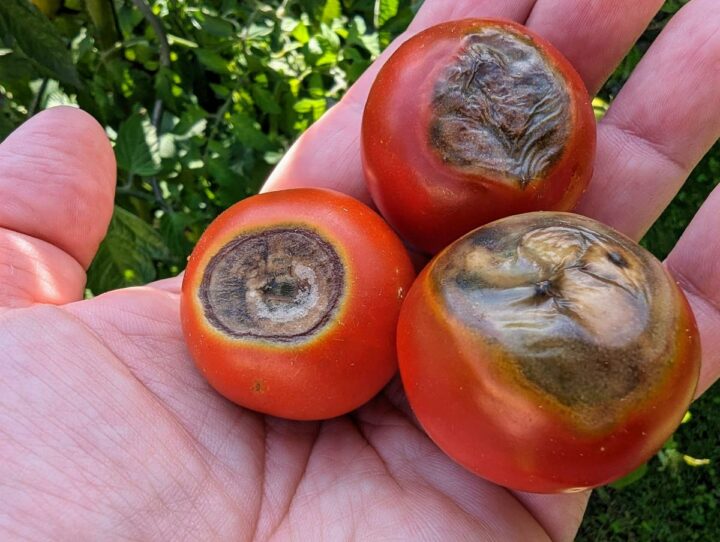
500, 110
582, 315
278, 285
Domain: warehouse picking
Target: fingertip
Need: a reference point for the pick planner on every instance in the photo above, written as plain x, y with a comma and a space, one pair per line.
57, 180
80, 126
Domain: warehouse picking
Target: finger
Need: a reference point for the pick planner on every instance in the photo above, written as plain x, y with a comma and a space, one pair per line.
172, 284
559, 514
415, 463
57, 178
660, 125
695, 264
34, 271
328, 153
594, 36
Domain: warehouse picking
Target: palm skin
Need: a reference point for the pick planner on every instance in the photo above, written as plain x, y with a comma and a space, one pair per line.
108, 431
114, 433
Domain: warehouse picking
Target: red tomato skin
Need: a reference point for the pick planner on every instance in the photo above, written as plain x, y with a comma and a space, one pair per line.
346, 363
516, 438
428, 203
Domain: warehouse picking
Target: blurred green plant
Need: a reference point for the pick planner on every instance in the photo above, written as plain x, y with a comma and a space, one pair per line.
201, 98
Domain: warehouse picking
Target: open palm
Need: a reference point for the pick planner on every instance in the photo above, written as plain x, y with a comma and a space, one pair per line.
107, 429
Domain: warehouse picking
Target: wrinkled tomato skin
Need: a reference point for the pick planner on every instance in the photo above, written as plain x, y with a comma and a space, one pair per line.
428, 203
505, 434
352, 358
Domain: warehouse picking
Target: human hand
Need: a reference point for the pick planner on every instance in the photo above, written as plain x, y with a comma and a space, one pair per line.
108, 429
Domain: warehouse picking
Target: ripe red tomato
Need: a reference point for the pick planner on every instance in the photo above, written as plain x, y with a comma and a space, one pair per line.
290, 303
470, 121
547, 352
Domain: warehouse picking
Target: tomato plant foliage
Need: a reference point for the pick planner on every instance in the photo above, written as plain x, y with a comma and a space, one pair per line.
200, 98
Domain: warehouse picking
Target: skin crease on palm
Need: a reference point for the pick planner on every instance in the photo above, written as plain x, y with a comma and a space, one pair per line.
107, 431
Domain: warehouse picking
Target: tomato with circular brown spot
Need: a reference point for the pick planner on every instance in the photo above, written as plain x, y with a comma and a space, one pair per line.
470, 121
290, 303
547, 352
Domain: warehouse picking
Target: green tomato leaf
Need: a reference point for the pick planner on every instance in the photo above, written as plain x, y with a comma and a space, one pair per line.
25, 30
217, 26
127, 255
265, 101
358, 35
331, 11
248, 133
257, 31
15, 67
173, 227
384, 11
309, 105
300, 33
192, 123
630, 478
6, 126
212, 61
137, 149
673, 6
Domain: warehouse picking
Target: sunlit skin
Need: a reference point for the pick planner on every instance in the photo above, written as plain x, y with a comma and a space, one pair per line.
105, 417
471, 121
547, 352
290, 303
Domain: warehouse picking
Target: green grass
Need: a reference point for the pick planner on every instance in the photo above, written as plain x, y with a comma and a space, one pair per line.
673, 501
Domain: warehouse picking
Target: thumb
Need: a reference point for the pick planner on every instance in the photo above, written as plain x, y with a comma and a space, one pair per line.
57, 181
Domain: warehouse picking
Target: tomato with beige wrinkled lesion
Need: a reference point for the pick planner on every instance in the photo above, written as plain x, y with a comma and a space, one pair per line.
290, 302
470, 121
547, 352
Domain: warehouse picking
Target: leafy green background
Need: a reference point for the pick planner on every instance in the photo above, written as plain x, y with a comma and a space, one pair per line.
201, 98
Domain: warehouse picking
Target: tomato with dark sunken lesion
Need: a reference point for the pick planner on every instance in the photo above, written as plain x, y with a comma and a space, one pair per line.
547, 352
290, 303
470, 121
